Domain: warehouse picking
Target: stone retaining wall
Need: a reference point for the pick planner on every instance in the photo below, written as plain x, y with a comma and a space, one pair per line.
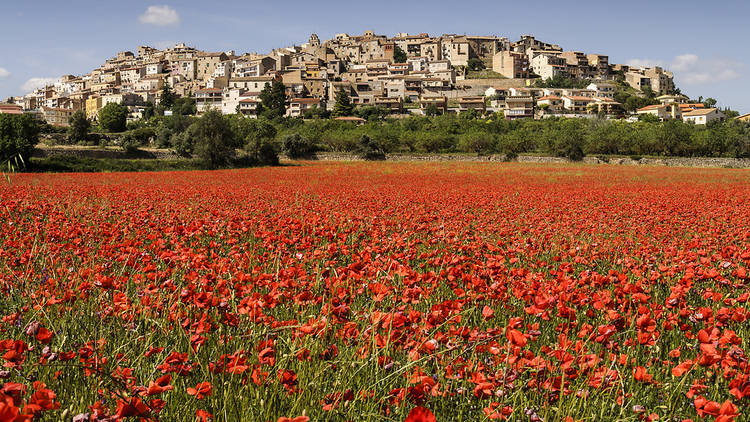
666, 161
83, 152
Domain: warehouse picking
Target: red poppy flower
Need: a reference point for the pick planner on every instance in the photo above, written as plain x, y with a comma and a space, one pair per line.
202, 390
420, 414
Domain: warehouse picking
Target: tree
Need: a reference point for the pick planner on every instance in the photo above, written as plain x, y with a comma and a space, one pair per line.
476, 142
343, 106
560, 81
184, 106
372, 113
431, 110
79, 126
297, 146
257, 136
709, 102
316, 112
650, 93
163, 137
167, 96
566, 138
18, 135
273, 100
148, 110
476, 64
213, 139
113, 117
369, 149
399, 56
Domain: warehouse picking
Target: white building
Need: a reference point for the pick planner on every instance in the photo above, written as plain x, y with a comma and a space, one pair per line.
603, 89
703, 116
548, 66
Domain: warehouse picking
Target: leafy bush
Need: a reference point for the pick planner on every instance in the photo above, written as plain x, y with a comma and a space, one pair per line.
297, 146
18, 136
369, 149
78, 130
213, 139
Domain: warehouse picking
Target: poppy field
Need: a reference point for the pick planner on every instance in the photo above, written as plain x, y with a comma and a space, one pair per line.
377, 292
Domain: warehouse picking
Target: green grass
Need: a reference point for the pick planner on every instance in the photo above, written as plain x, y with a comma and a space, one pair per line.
484, 74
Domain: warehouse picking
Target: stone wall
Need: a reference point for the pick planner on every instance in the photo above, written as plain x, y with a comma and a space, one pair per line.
162, 154
665, 161
86, 152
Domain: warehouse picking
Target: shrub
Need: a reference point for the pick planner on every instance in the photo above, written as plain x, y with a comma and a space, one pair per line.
213, 139
129, 143
369, 149
18, 135
476, 142
297, 146
78, 130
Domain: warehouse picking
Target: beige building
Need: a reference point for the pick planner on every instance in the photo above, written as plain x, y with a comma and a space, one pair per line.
251, 83
298, 106
662, 111
576, 103
519, 107
676, 98
208, 98
93, 105
656, 78
57, 116
439, 101
551, 104
511, 64
455, 49
206, 64
472, 103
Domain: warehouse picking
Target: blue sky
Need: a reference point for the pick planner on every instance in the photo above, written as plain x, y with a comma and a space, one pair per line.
704, 43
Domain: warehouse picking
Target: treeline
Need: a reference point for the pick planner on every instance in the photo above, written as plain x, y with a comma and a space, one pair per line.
572, 138
224, 141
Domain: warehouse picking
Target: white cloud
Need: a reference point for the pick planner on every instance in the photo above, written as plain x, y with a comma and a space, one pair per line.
684, 62
35, 83
691, 69
4, 73
644, 63
160, 16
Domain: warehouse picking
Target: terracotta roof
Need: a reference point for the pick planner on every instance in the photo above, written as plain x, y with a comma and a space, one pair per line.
523, 98
651, 107
305, 100
10, 109
252, 78
578, 98
471, 100
549, 97
699, 112
350, 119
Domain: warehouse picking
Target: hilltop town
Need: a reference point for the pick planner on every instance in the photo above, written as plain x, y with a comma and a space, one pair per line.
403, 74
